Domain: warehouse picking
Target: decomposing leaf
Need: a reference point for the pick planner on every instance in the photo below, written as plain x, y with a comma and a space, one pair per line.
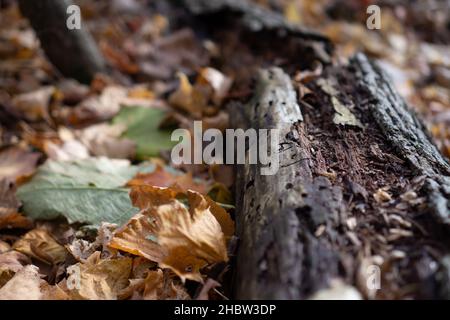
338, 290
102, 107
68, 150
11, 262
143, 129
159, 286
210, 88
343, 114
168, 177
15, 162
100, 279
39, 244
34, 105
220, 83
89, 191
105, 140
176, 237
25, 285
9, 205
190, 229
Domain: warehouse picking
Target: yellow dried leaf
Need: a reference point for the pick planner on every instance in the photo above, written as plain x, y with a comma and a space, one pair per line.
39, 244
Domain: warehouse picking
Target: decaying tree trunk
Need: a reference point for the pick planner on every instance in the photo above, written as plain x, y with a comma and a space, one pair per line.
294, 225
359, 184
73, 52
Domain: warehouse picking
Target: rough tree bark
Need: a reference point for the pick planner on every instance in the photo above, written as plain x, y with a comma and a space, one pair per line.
73, 52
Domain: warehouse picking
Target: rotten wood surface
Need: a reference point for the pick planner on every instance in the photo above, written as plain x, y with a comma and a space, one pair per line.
73, 52
344, 197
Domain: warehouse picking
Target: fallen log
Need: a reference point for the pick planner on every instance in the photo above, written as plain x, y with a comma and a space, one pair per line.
348, 194
73, 52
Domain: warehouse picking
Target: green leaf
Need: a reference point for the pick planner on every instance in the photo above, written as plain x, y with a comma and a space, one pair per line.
143, 129
87, 191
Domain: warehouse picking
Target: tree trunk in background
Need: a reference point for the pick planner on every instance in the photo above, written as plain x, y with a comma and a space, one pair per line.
294, 227
73, 52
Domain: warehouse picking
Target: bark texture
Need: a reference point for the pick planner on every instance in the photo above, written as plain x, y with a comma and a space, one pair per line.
293, 226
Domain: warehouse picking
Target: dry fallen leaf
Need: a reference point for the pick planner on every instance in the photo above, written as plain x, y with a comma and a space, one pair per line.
137, 237
39, 244
10, 263
33, 105
105, 140
161, 177
183, 98
343, 115
156, 285
16, 163
9, 205
186, 232
100, 279
54, 292
220, 83
209, 90
4, 246
25, 285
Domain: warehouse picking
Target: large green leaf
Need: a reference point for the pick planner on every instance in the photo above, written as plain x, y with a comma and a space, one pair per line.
88, 191
143, 129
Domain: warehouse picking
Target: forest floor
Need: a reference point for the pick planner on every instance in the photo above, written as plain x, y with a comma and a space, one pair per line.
88, 194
